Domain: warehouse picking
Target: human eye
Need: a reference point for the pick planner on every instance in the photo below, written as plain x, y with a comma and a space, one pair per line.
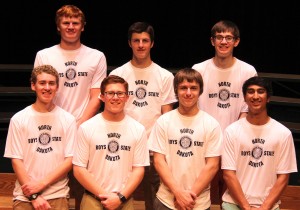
261, 91
250, 91
120, 94
110, 93
219, 37
229, 38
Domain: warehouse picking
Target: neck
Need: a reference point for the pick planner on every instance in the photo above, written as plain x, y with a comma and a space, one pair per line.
70, 45
258, 119
187, 111
141, 63
224, 63
40, 107
114, 117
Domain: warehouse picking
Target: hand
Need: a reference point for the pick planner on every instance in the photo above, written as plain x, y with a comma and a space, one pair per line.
32, 187
110, 201
185, 200
40, 203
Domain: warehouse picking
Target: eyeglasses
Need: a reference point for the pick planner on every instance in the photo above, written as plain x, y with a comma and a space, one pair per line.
111, 94
227, 38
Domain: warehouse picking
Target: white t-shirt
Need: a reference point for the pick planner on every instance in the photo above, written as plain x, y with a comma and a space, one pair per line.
257, 154
186, 142
42, 141
79, 71
110, 150
149, 89
223, 96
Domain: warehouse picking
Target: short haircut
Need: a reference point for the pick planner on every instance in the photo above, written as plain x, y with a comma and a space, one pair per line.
69, 11
113, 79
225, 26
190, 75
48, 69
140, 27
259, 81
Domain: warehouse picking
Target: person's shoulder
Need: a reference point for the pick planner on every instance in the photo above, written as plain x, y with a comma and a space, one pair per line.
201, 65
246, 66
21, 113
91, 50
121, 69
49, 49
279, 126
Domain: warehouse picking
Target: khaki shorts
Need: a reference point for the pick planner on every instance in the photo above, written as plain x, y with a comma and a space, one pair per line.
56, 204
88, 202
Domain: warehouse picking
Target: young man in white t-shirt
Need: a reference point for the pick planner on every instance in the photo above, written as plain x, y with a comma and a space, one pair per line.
81, 69
111, 152
258, 154
40, 143
150, 92
187, 146
223, 77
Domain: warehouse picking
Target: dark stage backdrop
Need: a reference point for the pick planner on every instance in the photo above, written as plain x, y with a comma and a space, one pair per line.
270, 38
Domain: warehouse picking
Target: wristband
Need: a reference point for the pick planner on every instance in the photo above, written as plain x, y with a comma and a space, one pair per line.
123, 199
33, 196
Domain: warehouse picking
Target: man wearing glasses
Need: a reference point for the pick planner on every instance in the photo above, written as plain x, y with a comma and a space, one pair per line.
111, 152
223, 77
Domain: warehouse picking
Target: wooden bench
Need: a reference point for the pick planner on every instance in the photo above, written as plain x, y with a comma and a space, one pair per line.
7, 184
290, 199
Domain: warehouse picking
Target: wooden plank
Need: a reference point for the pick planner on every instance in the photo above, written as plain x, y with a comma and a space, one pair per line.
16, 91
280, 77
285, 101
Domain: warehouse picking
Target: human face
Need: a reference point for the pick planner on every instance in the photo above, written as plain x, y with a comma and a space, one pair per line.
256, 98
188, 94
114, 106
70, 29
224, 48
141, 45
45, 88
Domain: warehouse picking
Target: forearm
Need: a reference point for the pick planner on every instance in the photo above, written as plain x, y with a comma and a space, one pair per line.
87, 180
133, 181
207, 174
20, 171
93, 106
165, 173
276, 191
61, 171
235, 189
166, 108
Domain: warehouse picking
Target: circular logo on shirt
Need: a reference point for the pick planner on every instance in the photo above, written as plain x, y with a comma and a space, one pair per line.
113, 146
44, 138
224, 94
70, 74
185, 142
141, 93
257, 152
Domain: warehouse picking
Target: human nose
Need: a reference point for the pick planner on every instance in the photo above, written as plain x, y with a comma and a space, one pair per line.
188, 91
47, 86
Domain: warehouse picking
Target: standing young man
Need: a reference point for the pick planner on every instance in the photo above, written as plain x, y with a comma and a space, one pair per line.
40, 144
111, 152
187, 146
258, 155
223, 76
81, 69
150, 92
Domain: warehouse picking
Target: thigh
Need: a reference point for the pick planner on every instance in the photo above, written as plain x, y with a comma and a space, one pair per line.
59, 204
88, 203
229, 206
128, 205
22, 205
158, 205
